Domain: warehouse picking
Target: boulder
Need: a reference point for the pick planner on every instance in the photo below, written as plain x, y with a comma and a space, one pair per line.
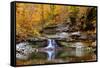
23, 50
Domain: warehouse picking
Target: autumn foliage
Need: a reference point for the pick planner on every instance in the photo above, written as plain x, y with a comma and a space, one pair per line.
32, 18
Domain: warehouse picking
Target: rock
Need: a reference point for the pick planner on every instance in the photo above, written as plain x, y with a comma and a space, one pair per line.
78, 45
63, 35
76, 33
92, 37
83, 37
21, 45
23, 50
93, 44
21, 56
32, 39
62, 29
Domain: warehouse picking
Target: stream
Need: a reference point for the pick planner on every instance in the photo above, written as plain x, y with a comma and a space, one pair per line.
52, 53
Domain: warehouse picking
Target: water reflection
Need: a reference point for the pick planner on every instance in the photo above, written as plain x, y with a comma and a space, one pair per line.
50, 54
79, 52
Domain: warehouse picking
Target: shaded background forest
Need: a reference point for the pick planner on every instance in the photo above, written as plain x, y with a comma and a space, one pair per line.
32, 20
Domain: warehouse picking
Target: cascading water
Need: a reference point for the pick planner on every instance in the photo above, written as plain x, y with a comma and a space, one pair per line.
51, 44
54, 43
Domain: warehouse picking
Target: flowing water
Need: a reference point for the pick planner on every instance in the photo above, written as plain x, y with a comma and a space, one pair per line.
51, 44
52, 53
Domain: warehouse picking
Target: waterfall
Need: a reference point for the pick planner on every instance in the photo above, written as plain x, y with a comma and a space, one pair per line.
54, 43
51, 44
